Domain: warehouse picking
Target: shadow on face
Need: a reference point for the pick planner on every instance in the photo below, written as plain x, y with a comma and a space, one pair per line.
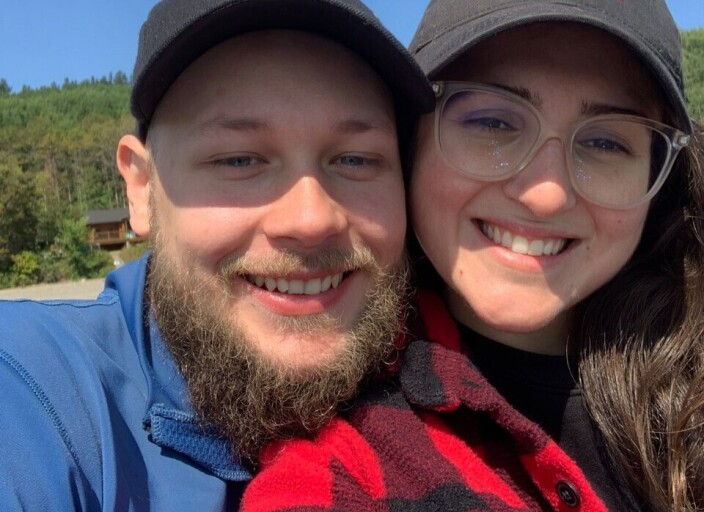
242, 123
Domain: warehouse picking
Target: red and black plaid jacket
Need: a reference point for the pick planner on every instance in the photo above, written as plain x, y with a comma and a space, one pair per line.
396, 450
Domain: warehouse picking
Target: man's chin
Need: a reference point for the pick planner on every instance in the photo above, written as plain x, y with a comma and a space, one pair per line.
251, 397
303, 354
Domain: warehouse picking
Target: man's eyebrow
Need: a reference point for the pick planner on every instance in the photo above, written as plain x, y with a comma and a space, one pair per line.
354, 126
241, 124
247, 124
597, 109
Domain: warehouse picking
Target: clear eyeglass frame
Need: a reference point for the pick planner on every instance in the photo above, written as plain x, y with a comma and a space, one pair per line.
676, 139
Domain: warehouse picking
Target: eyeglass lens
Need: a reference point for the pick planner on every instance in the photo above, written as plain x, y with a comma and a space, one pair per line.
491, 136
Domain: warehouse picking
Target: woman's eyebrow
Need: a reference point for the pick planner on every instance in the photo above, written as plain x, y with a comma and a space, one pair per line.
522, 92
590, 109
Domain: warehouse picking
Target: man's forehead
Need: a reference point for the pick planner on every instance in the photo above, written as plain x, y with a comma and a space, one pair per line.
251, 80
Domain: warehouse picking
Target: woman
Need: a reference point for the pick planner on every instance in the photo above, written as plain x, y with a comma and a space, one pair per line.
558, 195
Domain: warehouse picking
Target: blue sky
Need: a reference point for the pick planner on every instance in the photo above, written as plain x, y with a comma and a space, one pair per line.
45, 41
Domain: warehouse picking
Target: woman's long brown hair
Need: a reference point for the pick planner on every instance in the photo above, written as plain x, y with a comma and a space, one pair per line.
641, 339
642, 347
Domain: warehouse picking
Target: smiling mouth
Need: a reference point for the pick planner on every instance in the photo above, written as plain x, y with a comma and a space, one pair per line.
298, 286
522, 245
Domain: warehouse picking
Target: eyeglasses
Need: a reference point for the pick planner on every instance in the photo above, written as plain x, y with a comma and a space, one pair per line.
614, 160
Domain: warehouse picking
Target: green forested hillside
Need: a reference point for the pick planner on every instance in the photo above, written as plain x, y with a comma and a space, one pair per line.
693, 45
57, 147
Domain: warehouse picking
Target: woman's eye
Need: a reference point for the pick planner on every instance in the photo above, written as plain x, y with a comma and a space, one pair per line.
490, 123
352, 160
605, 145
488, 120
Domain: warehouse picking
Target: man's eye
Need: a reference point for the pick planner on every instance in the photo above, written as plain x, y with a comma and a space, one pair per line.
359, 166
238, 161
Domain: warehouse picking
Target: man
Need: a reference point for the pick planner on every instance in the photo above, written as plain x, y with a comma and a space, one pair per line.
266, 172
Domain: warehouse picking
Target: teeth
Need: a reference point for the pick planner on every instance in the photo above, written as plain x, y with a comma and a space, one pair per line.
522, 245
297, 286
325, 284
505, 240
312, 287
536, 247
488, 231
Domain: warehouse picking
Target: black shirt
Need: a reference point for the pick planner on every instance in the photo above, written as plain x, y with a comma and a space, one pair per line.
544, 389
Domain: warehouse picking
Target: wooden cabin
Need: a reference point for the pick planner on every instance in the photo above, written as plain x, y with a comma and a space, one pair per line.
110, 229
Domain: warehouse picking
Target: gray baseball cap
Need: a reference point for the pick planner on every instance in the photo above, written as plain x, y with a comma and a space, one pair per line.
177, 32
450, 27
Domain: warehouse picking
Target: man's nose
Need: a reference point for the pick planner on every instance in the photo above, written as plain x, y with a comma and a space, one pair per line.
306, 214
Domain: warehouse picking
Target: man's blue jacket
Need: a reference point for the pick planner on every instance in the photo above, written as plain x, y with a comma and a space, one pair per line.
94, 414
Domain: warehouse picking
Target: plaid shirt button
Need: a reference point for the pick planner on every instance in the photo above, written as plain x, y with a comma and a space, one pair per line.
568, 493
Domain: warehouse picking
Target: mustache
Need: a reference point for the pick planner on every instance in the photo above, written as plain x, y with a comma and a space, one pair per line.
284, 263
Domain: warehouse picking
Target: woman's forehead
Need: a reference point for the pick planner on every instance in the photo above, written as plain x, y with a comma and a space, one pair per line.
557, 54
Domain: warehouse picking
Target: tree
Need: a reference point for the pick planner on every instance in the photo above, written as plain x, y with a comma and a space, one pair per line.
5, 88
18, 208
121, 78
83, 259
693, 68
25, 269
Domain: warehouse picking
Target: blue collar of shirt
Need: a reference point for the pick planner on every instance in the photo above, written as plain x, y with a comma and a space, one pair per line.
169, 417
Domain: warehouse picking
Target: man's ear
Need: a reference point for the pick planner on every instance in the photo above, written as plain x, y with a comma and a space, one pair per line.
133, 163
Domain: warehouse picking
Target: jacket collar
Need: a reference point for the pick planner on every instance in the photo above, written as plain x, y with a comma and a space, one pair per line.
169, 418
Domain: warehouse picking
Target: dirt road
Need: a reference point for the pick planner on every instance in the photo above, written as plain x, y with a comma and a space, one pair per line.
86, 289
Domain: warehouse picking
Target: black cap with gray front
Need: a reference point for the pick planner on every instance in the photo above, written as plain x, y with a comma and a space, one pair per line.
451, 27
177, 32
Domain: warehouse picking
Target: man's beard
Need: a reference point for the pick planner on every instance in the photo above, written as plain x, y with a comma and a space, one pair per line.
248, 397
